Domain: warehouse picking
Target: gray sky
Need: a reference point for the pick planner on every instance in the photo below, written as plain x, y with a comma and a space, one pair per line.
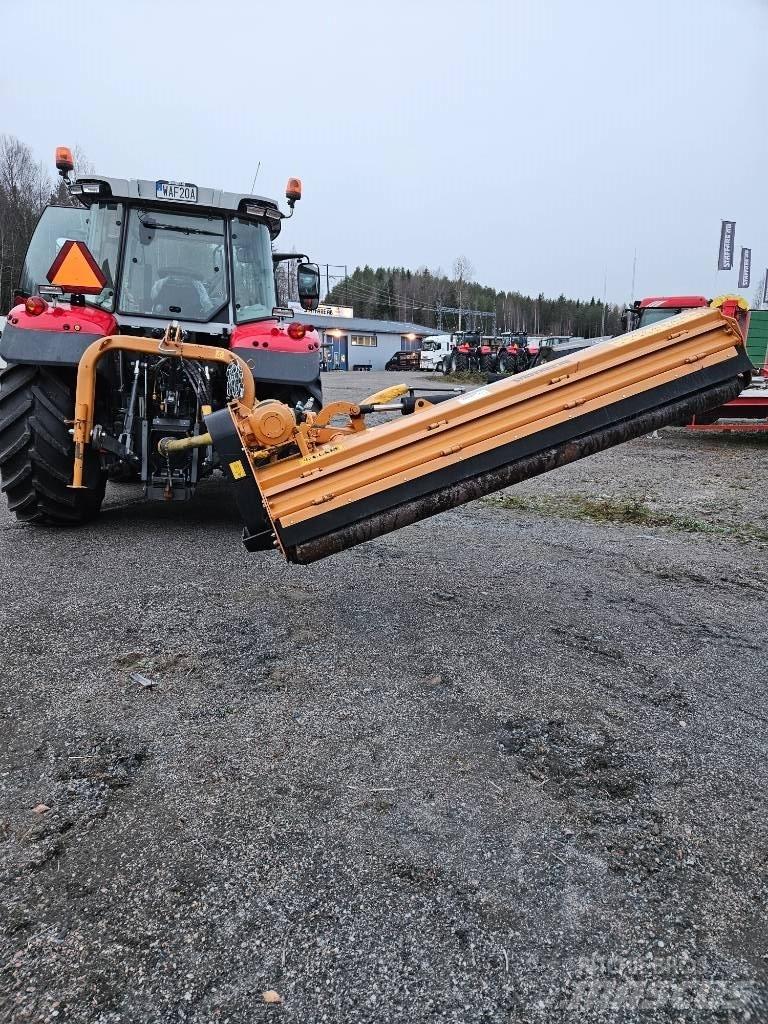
544, 139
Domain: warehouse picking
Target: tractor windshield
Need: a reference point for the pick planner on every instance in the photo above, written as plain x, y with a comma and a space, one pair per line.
174, 266
98, 226
653, 315
253, 271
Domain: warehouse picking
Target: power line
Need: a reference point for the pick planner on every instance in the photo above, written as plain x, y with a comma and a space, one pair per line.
513, 311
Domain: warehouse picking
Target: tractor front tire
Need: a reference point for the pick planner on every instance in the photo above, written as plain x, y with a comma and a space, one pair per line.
36, 449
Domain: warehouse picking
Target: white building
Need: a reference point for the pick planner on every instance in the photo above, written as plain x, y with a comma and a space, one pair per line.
350, 342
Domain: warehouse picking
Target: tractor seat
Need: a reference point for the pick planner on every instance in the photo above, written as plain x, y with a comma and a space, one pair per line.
181, 296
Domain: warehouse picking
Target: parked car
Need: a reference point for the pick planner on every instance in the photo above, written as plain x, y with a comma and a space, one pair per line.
403, 361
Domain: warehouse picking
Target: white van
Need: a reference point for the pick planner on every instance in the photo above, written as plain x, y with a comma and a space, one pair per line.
435, 350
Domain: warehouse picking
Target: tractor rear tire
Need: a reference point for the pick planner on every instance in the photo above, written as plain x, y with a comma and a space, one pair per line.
487, 362
460, 362
37, 452
507, 363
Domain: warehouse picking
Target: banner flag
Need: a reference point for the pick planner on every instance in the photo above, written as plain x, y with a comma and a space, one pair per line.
727, 242
745, 268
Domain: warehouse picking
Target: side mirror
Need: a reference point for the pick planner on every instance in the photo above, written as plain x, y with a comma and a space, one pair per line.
308, 284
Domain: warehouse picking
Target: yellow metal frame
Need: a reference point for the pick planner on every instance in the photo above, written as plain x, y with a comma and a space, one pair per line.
169, 345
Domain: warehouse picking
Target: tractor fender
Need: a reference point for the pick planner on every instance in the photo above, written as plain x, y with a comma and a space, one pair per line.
281, 367
57, 337
274, 355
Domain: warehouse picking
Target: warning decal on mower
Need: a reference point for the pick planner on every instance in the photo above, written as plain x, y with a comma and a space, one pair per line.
472, 396
75, 270
237, 469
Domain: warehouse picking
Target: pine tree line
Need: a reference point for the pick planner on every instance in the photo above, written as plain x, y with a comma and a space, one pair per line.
396, 293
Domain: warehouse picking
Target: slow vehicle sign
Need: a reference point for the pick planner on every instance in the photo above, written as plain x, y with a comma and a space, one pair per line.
177, 191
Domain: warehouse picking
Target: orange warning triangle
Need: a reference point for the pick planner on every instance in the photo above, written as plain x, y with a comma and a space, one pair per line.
75, 270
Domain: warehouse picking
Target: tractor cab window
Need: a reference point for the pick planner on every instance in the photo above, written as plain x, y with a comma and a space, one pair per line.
174, 266
652, 315
252, 270
98, 226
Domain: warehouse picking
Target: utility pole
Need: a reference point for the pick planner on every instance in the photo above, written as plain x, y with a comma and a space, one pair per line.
336, 277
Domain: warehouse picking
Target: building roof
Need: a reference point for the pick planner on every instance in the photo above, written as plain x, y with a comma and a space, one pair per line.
362, 326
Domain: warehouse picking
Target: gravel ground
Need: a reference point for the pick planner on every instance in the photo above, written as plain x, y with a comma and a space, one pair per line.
505, 765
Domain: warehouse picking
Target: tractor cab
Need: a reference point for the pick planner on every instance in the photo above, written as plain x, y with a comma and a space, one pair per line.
649, 311
655, 308
163, 252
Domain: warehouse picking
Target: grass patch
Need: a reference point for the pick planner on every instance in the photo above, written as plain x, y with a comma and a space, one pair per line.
633, 510
470, 377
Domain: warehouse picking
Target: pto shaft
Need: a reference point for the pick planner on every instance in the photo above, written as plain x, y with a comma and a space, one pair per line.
168, 445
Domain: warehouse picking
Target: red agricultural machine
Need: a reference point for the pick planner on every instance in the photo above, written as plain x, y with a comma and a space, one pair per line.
514, 354
472, 352
749, 412
141, 266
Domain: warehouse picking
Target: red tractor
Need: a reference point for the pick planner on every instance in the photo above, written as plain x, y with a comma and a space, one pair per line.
471, 352
514, 355
172, 288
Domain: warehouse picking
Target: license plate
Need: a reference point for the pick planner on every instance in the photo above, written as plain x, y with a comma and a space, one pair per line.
177, 191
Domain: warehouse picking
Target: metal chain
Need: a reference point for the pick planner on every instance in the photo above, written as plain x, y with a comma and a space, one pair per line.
169, 484
235, 381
